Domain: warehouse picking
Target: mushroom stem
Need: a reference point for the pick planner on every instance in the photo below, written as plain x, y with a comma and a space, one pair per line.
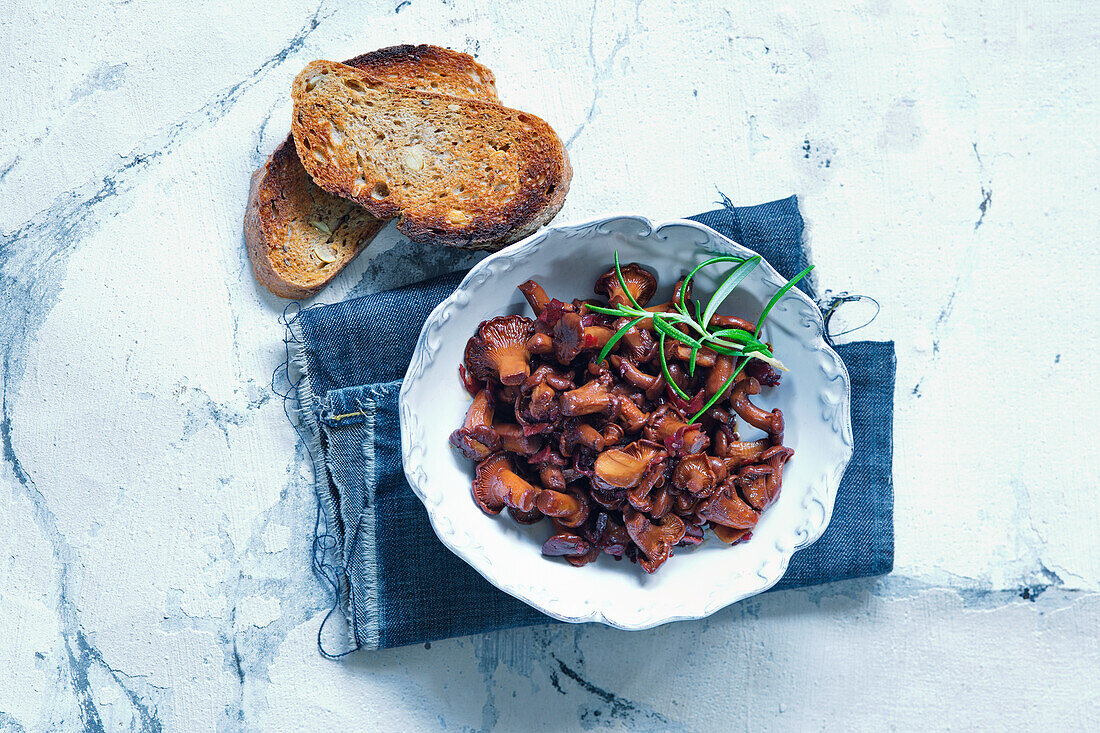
514, 365
704, 358
514, 441
496, 485
535, 295
569, 510
718, 374
480, 411
476, 438
739, 453
770, 422
720, 321
596, 336
636, 376
630, 415
588, 399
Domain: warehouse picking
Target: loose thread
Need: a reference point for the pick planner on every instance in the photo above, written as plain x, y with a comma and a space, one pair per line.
836, 302
324, 541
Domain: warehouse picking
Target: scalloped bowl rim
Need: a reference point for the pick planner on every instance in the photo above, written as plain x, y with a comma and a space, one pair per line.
418, 477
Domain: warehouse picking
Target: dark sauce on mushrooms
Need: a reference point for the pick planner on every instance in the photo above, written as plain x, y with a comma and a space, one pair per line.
606, 450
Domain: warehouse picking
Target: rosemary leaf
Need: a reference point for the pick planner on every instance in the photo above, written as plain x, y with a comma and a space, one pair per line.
732, 281
775, 298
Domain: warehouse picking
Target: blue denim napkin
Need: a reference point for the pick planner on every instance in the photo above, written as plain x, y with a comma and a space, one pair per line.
396, 583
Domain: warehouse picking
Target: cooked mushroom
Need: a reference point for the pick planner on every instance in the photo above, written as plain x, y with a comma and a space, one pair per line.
546, 373
655, 540
775, 458
634, 375
742, 452
770, 422
535, 295
532, 517
589, 399
753, 481
721, 321
623, 468
595, 337
705, 358
637, 343
552, 477
565, 543
665, 426
692, 535
629, 415
499, 350
569, 509
514, 440
717, 376
579, 433
729, 535
542, 403
476, 438
540, 343
497, 485
568, 337
612, 434
728, 509
639, 282
660, 504
694, 474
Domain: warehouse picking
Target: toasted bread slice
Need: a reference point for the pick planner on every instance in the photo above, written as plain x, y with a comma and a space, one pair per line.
458, 172
300, 237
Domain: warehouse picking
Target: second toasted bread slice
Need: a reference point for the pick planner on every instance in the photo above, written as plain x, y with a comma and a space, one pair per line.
299, 236
458, 172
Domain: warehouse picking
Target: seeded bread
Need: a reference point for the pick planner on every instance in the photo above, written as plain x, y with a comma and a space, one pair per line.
457, 172
300, 237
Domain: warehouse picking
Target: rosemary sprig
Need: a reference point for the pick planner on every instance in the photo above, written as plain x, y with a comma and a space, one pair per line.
734, 342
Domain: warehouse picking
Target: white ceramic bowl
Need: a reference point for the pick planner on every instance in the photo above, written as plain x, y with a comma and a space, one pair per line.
694, 583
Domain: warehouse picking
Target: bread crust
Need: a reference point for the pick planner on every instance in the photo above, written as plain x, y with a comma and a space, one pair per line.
458, 172
287, 213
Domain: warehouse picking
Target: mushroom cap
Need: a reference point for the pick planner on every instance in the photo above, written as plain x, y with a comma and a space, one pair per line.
570, 509
476, 443
694, 474
568, 337
729, 535
565, 543
623, 468
500, 342
497, 485
655, 540
641, 283
728, 509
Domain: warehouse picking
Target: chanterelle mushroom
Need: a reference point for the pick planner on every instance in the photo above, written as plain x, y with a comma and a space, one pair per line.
499, 350
623, 468
570, 509
655, 540
476, 438
640, 282
771, 422
496, 486
568, 337
728, 509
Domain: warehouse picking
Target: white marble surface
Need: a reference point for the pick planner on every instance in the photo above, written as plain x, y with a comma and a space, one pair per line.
155, 506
